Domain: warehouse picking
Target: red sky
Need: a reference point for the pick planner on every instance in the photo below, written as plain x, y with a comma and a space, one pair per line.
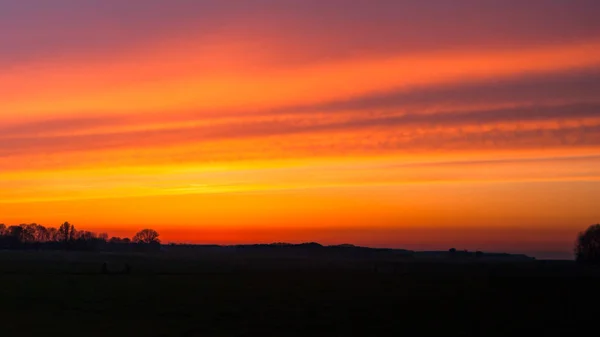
410, 124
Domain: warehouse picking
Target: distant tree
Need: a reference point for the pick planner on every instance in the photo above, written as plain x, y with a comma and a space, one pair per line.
118, 240
86, 236
587, 246
28, 232
452, 250
66, 232
40, 233
4, 241
146, 236
115, 240
16, 232
52, 234
14, 236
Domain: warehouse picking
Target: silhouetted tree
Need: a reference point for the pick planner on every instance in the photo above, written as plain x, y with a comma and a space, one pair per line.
86, 236
587, 247
16, 232
40, 233
115, 240
66, 232
147, 236
14, 236
120, 244
52, 234
452, 250
3, 238
28, 233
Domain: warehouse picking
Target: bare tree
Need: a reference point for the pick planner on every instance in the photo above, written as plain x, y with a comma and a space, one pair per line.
16, 233
86, 236
66, 232
147, 236
53, 234
587, 246
41, 233
28, 233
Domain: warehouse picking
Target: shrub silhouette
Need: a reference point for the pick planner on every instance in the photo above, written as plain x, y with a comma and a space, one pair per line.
587, 246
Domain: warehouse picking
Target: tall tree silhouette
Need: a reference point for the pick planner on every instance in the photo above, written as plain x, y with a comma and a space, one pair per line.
587, 246
66, 232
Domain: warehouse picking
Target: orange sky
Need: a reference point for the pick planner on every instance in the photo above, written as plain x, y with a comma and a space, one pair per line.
301, 122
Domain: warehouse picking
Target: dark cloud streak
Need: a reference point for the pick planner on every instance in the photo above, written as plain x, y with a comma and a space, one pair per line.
580, 85
386, 127
580, 89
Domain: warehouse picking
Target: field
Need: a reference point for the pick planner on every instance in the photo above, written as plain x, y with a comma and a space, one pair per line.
65, 294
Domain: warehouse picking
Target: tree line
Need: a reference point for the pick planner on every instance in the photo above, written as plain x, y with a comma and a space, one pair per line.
67, 237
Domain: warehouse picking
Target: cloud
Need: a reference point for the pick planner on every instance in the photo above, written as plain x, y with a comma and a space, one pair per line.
570, 86
134, 85
564, 95
524, 126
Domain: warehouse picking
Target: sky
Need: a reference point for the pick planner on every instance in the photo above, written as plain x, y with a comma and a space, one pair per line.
472, 124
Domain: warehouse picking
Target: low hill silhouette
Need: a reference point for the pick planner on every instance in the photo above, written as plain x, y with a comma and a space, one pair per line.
313, 249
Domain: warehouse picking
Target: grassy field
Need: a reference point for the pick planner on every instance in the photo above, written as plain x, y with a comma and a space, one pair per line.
65, 294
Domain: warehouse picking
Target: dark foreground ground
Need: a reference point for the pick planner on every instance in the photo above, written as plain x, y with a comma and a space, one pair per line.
65, 294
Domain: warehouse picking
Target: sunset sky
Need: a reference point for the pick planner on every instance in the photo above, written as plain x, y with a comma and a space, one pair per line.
472, 124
